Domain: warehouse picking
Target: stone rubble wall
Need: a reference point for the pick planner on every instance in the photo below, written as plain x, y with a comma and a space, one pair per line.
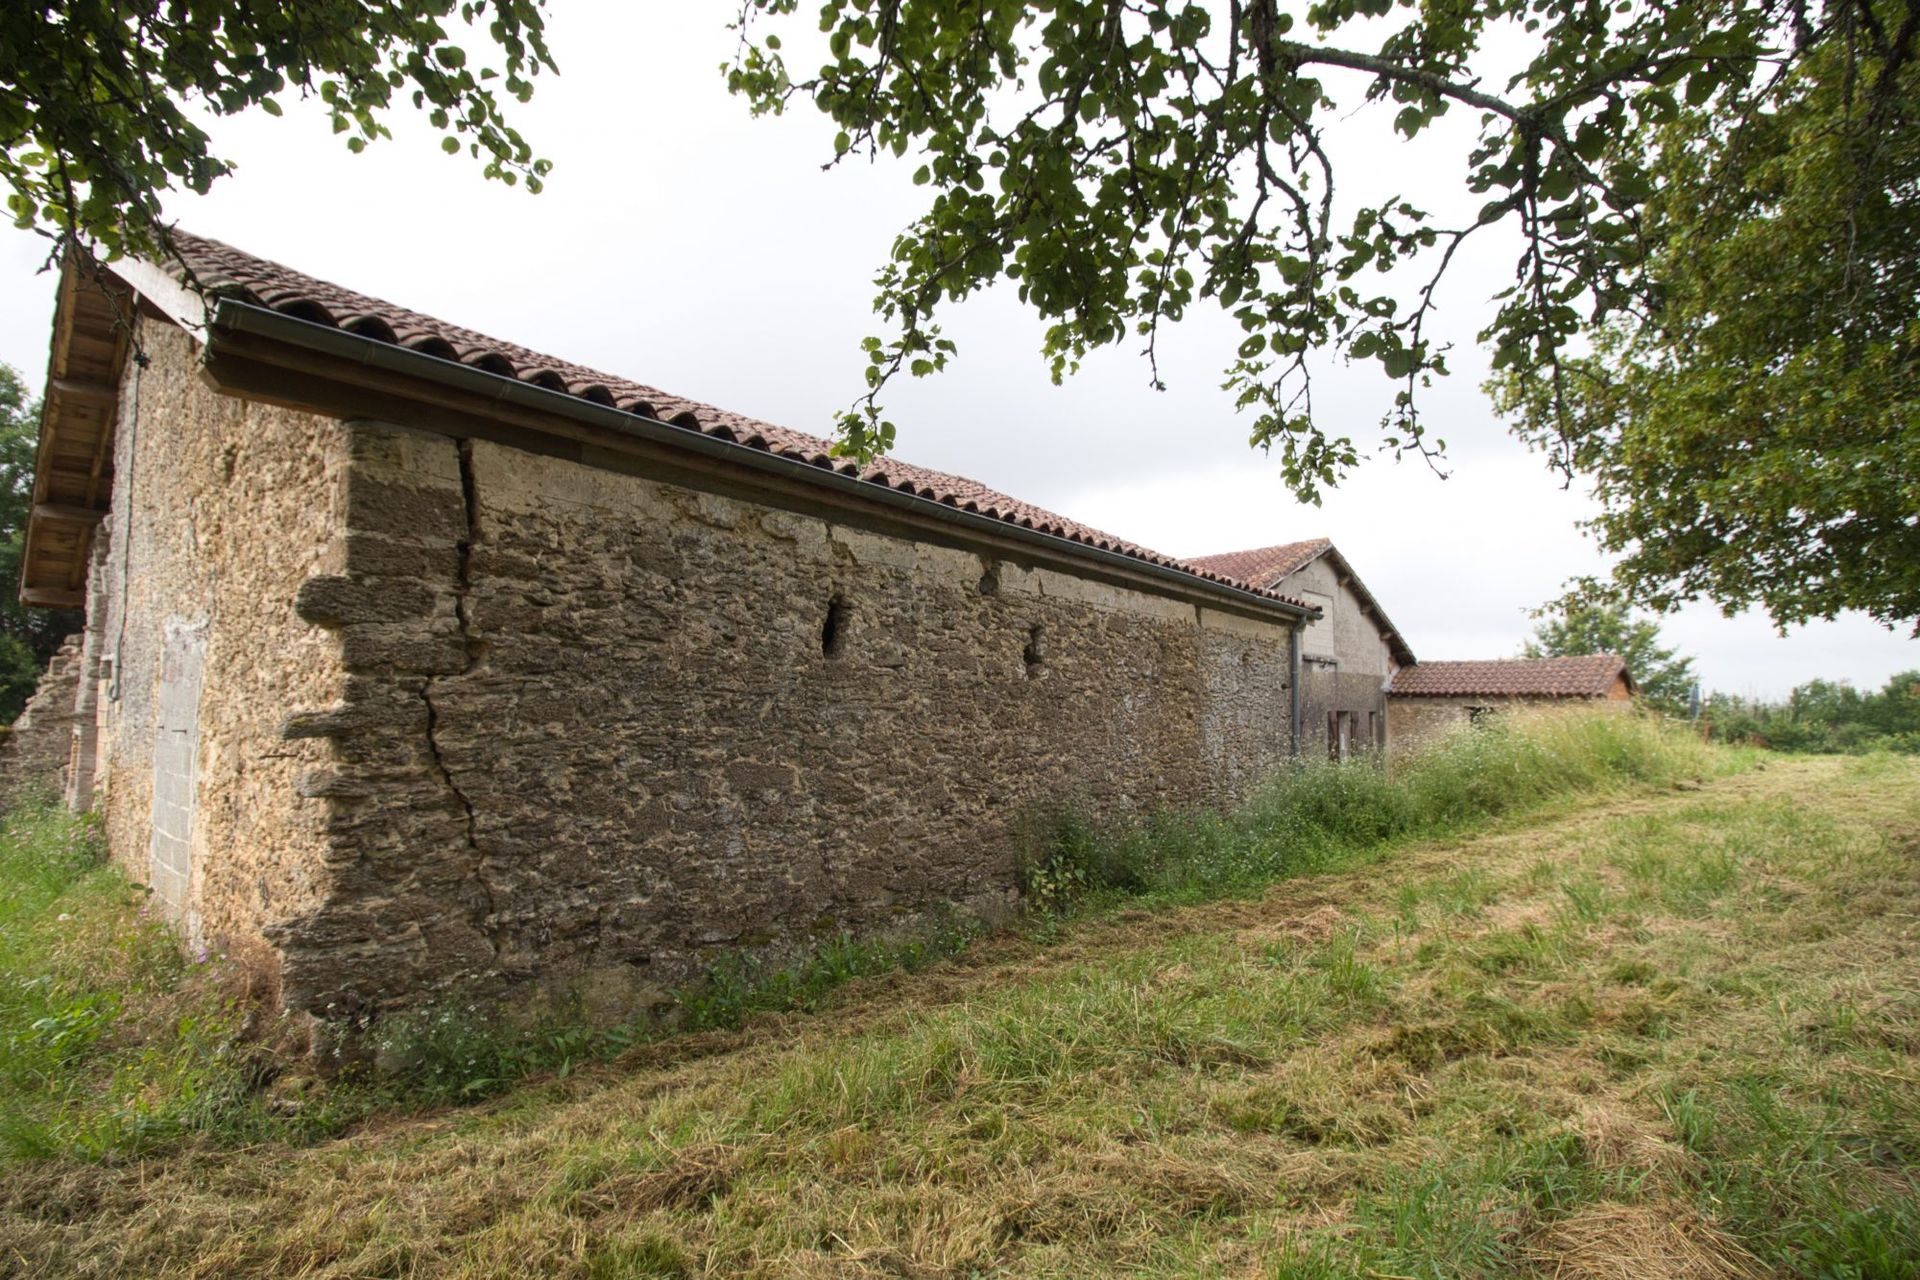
594, 725
1418, 722
387, 714
221, 509
34, 752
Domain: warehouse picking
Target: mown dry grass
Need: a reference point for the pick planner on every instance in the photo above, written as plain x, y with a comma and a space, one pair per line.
1670, 1035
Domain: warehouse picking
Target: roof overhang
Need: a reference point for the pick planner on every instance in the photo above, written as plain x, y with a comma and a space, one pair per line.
73, 468
257, 353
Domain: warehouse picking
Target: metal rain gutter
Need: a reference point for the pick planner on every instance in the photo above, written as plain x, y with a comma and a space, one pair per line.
244, 317
1293, 684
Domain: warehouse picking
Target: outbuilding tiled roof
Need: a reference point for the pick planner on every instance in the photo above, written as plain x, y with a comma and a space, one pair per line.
1591, 676
1264, 565
1268, 567
221, 270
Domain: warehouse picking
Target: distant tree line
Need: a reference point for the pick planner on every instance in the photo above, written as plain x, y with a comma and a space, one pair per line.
1824, 716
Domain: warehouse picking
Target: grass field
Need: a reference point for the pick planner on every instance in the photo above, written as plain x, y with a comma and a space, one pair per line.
1660, 1032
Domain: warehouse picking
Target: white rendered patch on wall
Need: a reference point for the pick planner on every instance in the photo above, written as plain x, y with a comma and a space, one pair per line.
176, 755
1317, 639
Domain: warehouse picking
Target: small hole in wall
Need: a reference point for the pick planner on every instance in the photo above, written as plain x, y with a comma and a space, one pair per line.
990, 581
1035, 654
833, 632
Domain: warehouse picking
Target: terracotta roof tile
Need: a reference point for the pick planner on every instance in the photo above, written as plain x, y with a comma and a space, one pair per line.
1265, 566
225, 271
1591, 676
1268, 567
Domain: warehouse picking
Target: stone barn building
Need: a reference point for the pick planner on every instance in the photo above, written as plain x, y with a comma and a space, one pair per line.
1347, 654
417, 661
1429, 700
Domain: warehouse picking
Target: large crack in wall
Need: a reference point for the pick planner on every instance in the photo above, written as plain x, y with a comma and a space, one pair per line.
672, 748
473, 648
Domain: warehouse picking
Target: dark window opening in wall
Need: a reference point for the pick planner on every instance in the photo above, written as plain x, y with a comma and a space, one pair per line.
1478, 715
833, 632
1035, 655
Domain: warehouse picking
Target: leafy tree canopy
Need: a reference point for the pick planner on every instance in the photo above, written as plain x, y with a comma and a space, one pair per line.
28, 637
98, 98
1756, 438
1712, 309
1665, 678
1710, 316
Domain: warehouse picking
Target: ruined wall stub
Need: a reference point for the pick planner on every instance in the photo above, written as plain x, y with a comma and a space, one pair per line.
34, 752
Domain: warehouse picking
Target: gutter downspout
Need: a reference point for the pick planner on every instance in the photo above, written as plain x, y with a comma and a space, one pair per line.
1293, 684
241, 317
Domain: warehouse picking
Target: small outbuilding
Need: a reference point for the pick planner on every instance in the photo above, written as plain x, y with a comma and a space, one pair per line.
1428, 700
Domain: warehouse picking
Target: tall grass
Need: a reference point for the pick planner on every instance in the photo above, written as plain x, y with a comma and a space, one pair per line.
457, 1052
1320, 816
111, 1040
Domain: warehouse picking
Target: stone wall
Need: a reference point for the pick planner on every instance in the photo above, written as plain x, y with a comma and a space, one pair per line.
1415, 723
34, 752
389, 714
221, 509
595, 723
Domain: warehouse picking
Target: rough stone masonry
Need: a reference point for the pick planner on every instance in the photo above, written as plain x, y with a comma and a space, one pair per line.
402, 702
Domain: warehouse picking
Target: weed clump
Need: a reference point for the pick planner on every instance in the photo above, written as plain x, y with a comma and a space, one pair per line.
112, 1041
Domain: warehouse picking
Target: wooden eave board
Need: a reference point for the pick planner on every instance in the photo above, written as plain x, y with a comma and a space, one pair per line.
73, 470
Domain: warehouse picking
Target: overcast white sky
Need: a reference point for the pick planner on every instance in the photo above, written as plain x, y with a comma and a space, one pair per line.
681, 243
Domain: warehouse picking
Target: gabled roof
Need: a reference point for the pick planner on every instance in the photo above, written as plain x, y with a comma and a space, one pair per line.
1268, 567
1591, 676
215, 270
